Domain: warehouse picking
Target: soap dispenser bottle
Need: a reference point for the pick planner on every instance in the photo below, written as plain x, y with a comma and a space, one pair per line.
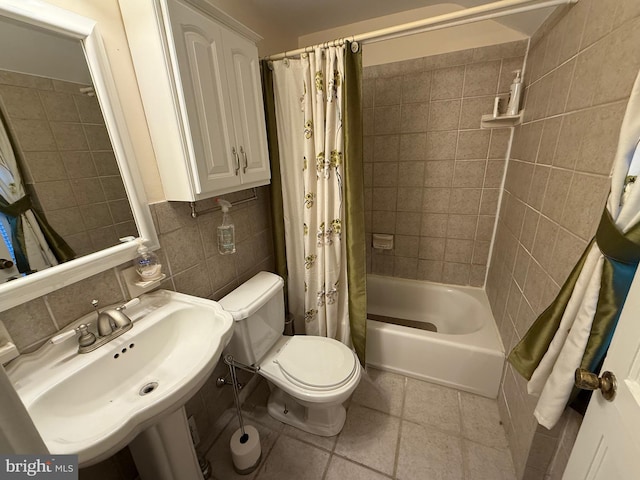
516, 91
226, 231
147, 264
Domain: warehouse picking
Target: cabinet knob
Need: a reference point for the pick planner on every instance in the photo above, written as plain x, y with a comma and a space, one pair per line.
246, 163
235, 154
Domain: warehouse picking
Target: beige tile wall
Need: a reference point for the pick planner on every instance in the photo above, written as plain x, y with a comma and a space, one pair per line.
432, 176
67, 160
193, 266
580, 71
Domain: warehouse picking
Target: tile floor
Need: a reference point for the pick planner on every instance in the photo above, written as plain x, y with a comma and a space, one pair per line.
397, 428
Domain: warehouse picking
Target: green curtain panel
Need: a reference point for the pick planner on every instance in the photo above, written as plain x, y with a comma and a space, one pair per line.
622, 254
526, 355
277, 210
14, 211
354, 200
57, 244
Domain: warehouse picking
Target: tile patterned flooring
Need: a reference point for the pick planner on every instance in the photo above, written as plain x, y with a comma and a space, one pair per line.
397, 428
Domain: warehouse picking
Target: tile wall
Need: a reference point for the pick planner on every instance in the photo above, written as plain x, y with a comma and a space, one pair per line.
67, 160
424, 153
193, 266
580, 71
432, 176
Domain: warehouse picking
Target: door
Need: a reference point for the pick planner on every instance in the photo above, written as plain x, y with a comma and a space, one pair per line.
199, 51
245, 88
608, 444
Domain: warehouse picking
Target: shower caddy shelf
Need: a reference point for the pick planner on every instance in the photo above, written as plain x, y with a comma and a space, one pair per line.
501, 121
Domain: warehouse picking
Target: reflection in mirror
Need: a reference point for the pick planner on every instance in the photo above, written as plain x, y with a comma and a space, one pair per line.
54, 148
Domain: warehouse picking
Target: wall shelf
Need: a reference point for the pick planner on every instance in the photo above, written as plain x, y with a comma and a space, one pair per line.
135, 286
501, 121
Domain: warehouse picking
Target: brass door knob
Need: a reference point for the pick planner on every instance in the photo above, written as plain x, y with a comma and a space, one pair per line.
4, 263
607, 384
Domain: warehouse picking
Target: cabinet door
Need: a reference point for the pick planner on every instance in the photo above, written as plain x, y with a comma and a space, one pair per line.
243, 72
199, 53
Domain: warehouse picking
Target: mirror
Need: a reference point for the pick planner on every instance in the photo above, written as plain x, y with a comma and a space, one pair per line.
64, 122
65, 161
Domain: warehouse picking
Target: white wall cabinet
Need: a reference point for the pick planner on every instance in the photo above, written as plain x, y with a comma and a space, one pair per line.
199, 79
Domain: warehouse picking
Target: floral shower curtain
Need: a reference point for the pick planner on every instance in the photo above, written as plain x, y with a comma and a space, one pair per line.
310, 112
576, 329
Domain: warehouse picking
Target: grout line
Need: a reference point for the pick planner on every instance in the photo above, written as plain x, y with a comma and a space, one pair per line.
499, 208
566, 100
326, 468
566, 169
405, 384
462, 437
124, 290
623, 101
51, 315
264, 459
364, 465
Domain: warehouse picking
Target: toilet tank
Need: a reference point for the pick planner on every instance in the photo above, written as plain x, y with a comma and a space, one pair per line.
257, 307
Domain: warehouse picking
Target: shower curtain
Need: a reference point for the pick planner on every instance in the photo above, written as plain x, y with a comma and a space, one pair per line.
321, 190
575, 331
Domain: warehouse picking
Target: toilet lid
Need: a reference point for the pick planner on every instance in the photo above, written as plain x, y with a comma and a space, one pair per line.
316, 362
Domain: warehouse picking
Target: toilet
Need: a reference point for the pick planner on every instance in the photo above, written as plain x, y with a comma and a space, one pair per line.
310, 377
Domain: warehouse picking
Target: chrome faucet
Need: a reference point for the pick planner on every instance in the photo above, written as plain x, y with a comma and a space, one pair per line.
111, 324
112, 320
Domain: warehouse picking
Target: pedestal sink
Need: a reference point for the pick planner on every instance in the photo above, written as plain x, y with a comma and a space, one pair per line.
131, 390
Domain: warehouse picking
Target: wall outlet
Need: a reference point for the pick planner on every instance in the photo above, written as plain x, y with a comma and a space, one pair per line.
193, 428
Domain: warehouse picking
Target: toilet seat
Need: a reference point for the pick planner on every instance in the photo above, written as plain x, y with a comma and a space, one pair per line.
316, 363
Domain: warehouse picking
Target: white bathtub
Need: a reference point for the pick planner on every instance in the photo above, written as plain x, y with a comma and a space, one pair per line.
465, 353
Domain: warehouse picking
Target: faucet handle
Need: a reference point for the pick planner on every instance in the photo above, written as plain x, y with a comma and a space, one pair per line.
63, 336
86, 337
131, 303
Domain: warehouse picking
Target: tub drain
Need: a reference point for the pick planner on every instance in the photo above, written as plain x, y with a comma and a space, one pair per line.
148, 388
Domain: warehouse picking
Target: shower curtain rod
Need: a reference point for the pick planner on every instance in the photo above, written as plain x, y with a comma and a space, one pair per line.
468, 15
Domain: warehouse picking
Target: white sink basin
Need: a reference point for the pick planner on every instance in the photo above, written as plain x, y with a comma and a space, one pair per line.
92, 404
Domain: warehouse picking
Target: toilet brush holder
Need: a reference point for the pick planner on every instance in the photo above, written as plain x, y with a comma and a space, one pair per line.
245, 447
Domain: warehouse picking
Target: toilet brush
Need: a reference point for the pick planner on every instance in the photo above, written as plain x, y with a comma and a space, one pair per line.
245, 442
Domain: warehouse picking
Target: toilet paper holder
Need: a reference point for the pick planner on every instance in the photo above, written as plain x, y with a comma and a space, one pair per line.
245, 448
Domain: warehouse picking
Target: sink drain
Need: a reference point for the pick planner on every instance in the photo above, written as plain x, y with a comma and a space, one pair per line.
148, 388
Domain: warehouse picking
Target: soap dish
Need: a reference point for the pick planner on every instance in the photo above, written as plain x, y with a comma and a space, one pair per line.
151, 283
8, 349
137, 287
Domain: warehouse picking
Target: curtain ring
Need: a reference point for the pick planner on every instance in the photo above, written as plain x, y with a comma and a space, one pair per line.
355, 46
